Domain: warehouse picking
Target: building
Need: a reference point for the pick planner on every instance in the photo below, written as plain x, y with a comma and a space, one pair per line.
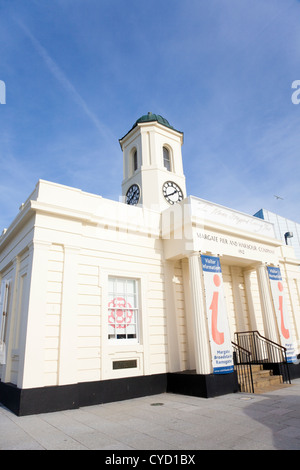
285, 229
104, 300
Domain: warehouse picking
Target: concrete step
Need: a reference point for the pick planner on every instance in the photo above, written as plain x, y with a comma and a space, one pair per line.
263, 380
266, 381
256, 374
260, 390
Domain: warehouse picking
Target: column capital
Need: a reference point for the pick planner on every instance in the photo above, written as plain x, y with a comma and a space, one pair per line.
194, 255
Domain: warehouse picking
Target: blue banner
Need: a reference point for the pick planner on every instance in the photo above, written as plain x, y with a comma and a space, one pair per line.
211, 264
274, 273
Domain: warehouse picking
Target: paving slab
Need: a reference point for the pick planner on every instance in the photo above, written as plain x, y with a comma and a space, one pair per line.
164, 422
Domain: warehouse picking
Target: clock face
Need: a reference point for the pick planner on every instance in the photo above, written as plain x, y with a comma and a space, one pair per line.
133, 195
172, 192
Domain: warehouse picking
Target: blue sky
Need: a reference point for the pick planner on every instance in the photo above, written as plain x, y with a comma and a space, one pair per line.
79, 73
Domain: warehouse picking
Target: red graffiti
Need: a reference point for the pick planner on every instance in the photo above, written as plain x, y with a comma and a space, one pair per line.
120, 313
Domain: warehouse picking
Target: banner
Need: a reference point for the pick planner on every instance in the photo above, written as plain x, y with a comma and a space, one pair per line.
281, 312
221, 349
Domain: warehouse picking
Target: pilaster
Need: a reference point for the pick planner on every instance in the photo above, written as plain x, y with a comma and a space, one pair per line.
11, 322
236, 290
32, 346
267, 307
67, 372
250, 303
175, 363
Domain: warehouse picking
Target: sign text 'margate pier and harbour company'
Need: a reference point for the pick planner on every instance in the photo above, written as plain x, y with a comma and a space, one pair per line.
241, 247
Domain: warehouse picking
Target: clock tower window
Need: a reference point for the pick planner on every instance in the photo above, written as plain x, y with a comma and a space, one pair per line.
167, 158
134, 160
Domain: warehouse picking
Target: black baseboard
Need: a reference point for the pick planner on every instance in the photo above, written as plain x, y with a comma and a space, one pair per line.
106, 391
24, 402
289, 371
294, 371
10, 396
206, 386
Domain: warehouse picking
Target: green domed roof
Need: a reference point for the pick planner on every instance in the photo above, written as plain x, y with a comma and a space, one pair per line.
153, 117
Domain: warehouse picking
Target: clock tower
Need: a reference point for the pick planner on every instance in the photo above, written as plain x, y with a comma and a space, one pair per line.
152, 164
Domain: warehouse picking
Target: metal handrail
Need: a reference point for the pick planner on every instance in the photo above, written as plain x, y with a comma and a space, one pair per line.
264, 351
238, 333
242, 362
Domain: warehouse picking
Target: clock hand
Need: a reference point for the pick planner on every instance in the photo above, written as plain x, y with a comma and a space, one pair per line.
174, 192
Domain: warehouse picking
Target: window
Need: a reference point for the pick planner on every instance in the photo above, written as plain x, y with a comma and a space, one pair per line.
4, 292
3, 308
167, 159
122, 309
135, 160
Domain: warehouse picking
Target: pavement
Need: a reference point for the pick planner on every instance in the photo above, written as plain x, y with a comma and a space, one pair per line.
165, 422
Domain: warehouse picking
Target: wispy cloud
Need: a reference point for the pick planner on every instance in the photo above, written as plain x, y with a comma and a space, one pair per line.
64, 81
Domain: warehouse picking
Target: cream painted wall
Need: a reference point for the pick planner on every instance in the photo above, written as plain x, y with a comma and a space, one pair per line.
103, 252
72, 255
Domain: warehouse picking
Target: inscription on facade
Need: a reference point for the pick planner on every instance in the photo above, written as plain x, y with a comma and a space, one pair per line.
241, 246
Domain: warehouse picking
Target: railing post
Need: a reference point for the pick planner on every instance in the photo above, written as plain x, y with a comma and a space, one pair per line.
244, 369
